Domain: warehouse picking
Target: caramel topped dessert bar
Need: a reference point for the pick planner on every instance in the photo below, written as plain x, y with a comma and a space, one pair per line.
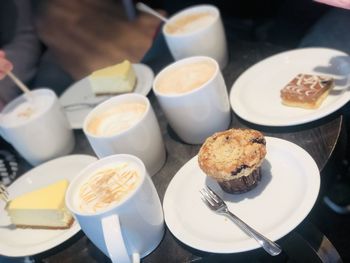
306, 91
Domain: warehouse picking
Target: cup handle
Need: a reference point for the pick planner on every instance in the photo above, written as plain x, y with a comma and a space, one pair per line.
115, 244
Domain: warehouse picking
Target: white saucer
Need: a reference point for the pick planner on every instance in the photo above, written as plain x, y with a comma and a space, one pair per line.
255, 96
80, 92
25, 242
287, 192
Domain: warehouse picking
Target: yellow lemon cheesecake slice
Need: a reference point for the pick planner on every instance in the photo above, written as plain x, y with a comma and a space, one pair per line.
43, 208
120, 78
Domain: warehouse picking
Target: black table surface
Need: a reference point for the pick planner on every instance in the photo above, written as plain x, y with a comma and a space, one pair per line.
318, 138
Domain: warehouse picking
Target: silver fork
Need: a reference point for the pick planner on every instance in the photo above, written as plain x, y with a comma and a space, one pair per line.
215, 203
80, 105
4, 195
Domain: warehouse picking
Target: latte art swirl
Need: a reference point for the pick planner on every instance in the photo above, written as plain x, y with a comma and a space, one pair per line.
108, 186
185, 78
28, 109
116, 119
190, 23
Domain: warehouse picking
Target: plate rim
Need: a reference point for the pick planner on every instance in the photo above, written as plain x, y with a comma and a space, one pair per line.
174, 228
51, 243
345, 97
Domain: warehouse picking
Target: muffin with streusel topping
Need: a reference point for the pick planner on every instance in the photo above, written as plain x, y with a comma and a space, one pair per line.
233, 158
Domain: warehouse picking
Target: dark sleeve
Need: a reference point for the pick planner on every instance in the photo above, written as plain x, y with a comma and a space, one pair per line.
23, 50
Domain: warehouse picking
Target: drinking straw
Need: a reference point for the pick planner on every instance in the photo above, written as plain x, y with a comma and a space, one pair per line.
145, 8
19, 83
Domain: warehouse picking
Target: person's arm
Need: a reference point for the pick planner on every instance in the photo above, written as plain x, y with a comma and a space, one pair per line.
5, 65
337, 3
23, 51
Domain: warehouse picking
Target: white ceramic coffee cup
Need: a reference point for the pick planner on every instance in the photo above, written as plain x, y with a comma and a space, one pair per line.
45, 136
143, 139
197, 114
126, 231
208, 40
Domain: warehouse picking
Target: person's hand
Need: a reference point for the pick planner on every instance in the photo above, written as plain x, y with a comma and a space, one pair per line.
5, 65
337, 3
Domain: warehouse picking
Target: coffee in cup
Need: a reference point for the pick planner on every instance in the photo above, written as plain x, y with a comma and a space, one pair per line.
36, 125
116, 119
185, 78
193, 96
190, 23
32, 107
107, 186
126, 124
197, 31
117, 206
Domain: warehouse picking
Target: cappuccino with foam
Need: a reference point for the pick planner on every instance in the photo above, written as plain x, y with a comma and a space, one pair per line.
35, 105
190, 23
185, 78
116, 119
126, 124
107, 186
193, 96
197, 31
36, 125
117, 207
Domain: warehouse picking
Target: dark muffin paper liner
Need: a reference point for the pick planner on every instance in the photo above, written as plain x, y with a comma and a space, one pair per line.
242, 184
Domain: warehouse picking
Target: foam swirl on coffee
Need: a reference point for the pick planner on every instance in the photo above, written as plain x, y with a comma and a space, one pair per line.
116, 119
107, 186
190, 23
28, 109
185, 78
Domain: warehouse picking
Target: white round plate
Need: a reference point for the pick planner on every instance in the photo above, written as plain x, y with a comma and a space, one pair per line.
80, 92
285, 195
255, 95
25, 242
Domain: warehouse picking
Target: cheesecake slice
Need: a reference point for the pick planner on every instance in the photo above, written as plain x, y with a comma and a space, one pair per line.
43, 208
120, 78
